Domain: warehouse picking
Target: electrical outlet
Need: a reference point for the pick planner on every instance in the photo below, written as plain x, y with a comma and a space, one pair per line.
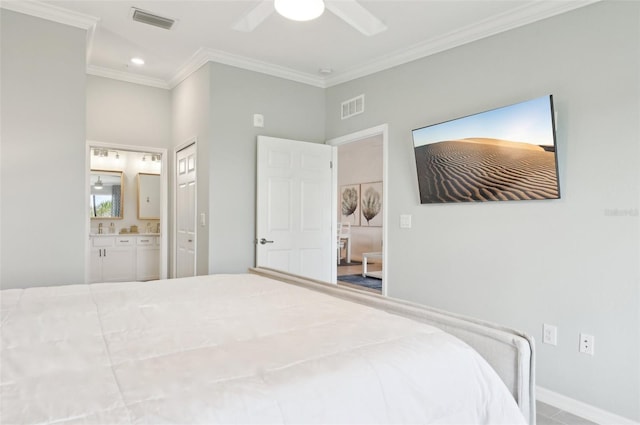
549, 334
587, 343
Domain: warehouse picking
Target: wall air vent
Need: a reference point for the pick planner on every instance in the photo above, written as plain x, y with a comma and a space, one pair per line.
352, 107
149, 18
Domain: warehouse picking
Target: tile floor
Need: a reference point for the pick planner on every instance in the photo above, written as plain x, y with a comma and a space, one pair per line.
549, 415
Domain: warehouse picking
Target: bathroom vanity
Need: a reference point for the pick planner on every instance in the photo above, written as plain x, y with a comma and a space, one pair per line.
122, 258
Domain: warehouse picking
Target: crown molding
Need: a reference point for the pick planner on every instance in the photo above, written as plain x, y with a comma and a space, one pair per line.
509, 20
198, 59
51, 12
513, 19
205, 55
127, 76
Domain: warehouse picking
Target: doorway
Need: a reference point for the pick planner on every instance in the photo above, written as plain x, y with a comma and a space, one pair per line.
360, 188
127, 230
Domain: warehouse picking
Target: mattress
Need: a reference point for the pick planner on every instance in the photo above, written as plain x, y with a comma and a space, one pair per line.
230, 349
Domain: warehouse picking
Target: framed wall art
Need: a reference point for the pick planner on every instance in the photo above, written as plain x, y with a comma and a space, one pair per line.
349, 204
371, 204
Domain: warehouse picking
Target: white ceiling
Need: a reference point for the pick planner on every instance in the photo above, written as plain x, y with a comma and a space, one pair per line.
294, 50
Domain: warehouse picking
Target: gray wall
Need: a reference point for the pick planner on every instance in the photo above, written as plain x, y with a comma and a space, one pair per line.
191, 108
43, 152
129, 114
572, 262
291, 110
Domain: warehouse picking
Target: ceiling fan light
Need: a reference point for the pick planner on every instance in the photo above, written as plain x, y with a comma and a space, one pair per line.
299, 10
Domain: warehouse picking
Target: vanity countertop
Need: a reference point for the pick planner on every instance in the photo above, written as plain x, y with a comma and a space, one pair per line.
93, 235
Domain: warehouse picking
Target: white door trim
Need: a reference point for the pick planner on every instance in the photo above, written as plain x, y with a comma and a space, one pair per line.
164, 199
380, 130
174, 223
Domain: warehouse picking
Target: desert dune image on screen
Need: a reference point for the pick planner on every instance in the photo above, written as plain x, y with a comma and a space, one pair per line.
500, 155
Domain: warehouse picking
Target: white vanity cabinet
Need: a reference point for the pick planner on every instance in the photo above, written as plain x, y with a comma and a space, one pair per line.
147, 257
123, 258
112, 259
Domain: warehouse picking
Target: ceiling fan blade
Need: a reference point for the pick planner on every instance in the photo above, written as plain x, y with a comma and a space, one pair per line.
357, 16
255, 16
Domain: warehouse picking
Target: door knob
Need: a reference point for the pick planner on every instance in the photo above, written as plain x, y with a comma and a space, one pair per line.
263, 241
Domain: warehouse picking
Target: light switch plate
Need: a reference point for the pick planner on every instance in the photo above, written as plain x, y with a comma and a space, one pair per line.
258, 120
405, 221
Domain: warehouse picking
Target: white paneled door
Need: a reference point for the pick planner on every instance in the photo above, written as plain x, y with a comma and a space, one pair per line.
186, 212
294, 193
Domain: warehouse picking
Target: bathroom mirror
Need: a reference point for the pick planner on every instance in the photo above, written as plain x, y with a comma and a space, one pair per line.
148, 196
106, 194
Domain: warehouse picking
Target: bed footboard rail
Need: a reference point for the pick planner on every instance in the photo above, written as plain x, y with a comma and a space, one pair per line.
511, 353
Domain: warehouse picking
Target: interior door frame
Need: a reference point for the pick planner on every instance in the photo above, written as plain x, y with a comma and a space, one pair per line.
164, 199
174, 222
383, 131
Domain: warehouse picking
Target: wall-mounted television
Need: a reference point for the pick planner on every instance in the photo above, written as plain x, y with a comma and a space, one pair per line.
504, 154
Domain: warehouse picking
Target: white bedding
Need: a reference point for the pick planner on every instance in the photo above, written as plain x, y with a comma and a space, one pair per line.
232, 349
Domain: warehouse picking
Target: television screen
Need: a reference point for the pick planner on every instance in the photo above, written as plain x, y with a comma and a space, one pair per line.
504, 154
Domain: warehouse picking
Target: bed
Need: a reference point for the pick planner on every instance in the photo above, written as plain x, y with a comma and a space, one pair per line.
261, 347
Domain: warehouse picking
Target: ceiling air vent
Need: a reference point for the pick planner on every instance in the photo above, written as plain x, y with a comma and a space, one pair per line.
352, 107
151, 19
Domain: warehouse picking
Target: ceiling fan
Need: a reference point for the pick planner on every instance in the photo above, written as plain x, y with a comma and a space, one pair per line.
349, 11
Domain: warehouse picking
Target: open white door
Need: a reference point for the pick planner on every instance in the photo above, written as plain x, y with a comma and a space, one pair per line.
294, 225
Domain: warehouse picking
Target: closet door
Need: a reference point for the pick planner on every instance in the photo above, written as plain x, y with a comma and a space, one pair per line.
186, 212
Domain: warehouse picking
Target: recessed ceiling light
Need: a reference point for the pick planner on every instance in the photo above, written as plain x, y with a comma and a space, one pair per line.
325, 71
137, 61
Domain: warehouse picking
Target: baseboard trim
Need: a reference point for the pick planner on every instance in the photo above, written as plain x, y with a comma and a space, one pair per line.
581, 409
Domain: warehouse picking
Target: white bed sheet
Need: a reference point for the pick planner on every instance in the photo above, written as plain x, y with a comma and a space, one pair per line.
232, 349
